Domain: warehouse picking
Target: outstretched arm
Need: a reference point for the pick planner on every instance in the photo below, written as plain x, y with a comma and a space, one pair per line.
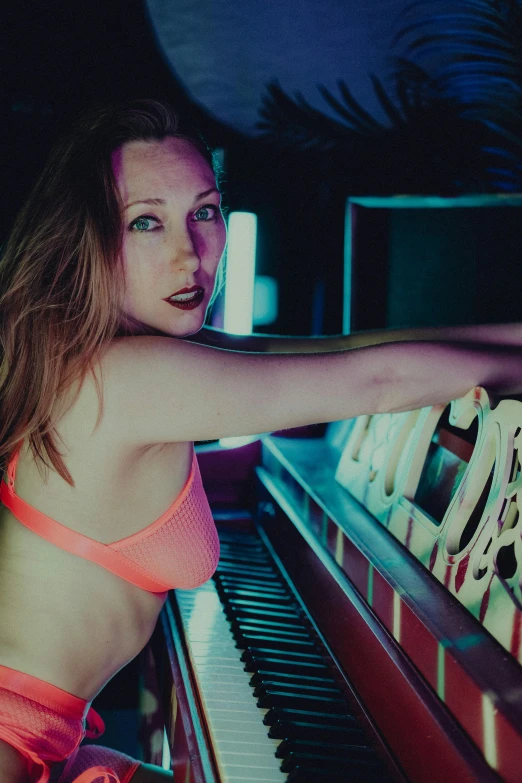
164, 389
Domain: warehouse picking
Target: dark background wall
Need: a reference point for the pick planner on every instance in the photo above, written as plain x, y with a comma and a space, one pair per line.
214, 60
226, 52
57, 58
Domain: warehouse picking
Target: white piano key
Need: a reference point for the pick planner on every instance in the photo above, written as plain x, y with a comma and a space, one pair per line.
228, 687
222, 679
232, 727
244, 752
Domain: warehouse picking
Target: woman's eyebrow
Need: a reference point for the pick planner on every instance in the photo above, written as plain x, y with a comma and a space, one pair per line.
153, 201
156, 201
206, 193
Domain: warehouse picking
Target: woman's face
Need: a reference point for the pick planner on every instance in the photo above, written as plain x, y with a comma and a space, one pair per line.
173, 234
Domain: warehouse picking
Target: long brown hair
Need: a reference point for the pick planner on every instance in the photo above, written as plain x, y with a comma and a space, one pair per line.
61, 277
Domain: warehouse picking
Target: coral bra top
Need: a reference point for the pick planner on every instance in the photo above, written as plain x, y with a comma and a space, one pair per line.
180, 549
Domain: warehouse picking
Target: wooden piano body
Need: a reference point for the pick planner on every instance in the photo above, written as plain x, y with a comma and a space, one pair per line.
401, 535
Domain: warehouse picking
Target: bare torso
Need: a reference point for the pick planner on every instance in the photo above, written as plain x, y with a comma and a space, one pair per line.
64, 619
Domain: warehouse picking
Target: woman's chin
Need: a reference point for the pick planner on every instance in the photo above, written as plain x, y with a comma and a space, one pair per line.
132, 327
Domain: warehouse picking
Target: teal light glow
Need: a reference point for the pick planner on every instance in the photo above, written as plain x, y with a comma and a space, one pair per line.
438, 202
165, 758
235, 442
265, 300
240, 274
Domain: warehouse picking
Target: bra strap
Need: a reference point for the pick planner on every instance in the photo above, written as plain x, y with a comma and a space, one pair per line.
95, 726
78, 544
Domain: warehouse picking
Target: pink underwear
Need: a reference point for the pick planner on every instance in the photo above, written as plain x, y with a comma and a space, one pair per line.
47, 724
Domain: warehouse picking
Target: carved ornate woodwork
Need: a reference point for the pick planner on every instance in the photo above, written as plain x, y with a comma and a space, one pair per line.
446, 482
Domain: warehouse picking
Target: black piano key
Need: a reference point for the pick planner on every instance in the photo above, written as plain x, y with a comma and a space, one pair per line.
304, 760
314, 716
345, 750
244, 540
247, 574
274, 574
247, 604
247, 560
274, 581
242, 543
293, 687
309, 731
256, 639
274, 591
282, 628
246, 554
276, 633
259, 571
320, 775
264, 675
285, 655
251, 584
267, 622
251, 612
253, 594
255, 597
278, 665
305, 701
234, 551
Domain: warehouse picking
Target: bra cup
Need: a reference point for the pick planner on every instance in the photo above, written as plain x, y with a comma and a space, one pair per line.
178, 550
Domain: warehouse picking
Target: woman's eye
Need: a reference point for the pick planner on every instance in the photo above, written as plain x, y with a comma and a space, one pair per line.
143, 224
208, 212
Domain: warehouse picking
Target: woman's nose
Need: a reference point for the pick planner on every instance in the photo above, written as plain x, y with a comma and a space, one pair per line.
188, 261
186, 254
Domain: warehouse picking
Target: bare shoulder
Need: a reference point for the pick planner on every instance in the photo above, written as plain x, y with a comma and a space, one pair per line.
165, 389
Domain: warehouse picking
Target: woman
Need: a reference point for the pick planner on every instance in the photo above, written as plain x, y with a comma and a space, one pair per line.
113, 259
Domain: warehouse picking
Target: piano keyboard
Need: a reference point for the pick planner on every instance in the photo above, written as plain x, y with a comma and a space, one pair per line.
273, 708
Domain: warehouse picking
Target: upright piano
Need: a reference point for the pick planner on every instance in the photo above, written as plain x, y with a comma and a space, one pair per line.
364, 623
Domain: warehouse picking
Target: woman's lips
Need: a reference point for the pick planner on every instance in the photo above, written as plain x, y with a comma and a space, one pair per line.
190, 305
